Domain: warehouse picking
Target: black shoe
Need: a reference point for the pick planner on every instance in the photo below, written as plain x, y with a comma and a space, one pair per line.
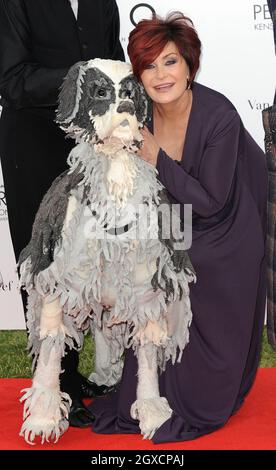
91, 390
79, 415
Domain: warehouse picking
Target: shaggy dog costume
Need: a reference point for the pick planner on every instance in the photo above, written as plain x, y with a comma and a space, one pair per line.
102, 252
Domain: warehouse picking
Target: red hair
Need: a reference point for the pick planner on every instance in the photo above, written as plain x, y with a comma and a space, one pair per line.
149, 37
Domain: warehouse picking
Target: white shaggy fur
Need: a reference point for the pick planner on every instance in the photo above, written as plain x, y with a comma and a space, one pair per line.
150, 409
46, 408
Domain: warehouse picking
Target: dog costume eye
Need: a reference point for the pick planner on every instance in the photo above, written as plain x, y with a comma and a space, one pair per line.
102, 92
127, 94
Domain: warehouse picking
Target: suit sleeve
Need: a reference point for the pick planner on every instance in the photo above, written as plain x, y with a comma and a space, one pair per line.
113, 47
209, 192
23, 82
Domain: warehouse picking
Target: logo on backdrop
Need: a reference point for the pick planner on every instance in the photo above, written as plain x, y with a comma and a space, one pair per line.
261, 15
256, 105
140, 12
6, 287
3, 204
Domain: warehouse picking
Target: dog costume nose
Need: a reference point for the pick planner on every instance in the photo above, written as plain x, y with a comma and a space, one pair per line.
124, 123
126, 107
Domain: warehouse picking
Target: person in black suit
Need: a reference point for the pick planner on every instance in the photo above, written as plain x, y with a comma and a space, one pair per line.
39, 41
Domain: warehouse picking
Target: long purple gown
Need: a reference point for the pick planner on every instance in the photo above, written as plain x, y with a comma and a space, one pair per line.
223, 175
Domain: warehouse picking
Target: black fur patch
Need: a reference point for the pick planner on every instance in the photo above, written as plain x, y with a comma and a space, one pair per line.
68, 93
132, 90
97, 95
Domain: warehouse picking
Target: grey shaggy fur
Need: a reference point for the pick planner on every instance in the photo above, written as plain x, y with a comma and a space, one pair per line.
49, 221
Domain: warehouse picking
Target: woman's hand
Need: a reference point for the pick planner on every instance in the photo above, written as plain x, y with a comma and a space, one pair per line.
150, 147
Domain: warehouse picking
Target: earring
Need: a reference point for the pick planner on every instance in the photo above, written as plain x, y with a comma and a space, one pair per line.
188, 84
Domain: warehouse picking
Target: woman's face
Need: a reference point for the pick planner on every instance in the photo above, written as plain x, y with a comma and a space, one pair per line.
165, 79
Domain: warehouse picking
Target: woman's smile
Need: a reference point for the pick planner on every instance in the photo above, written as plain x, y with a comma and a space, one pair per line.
164, 87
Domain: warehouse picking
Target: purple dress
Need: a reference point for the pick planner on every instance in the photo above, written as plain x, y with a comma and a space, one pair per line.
223, 175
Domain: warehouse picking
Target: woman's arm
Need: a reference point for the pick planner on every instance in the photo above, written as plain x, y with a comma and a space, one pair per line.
23, 82
207, 194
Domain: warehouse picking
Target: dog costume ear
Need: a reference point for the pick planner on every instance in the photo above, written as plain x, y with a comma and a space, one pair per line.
70, 93
143, 105
144, 111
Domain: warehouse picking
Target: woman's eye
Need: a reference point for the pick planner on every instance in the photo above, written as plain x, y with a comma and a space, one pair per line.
102, 92
149, 66
171, 62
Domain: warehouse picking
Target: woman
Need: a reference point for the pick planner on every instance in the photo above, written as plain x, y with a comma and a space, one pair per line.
206, 158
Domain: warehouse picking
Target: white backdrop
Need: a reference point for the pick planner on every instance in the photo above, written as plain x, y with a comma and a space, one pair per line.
237, 60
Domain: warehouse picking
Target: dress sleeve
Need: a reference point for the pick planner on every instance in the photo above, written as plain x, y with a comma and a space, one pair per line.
209, 192
23, 82
113, 47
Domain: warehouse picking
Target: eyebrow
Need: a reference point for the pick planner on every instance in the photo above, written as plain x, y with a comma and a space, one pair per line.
170, 53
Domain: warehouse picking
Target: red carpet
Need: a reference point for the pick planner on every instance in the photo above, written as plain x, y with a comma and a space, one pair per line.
253, 427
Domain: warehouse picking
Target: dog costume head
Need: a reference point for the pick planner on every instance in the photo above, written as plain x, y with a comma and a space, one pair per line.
102, 103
